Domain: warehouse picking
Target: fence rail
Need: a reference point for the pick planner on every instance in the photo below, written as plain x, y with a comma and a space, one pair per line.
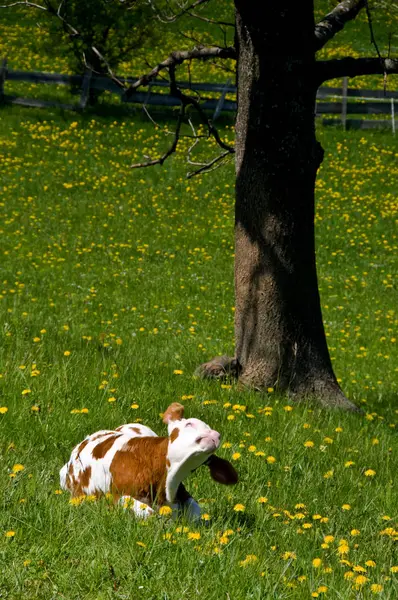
330, 100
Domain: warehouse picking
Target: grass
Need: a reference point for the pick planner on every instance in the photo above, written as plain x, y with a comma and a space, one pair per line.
116, 284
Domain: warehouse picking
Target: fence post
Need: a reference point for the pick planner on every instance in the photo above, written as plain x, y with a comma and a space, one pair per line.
392, 116
3, 73
85, 88
344, 103
220, 103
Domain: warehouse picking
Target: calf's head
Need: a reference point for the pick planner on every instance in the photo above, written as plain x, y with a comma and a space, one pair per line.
192, 443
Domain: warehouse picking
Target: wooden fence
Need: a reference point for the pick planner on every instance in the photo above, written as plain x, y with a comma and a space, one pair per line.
330, 101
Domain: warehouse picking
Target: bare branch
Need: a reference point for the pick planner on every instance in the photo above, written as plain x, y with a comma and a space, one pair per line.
24, 3
208, 166
170, 151
334, 22
212, 21
170, 19
177, 58
372, 35
351, 67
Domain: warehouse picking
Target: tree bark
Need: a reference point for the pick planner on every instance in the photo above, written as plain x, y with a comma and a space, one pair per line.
279, 333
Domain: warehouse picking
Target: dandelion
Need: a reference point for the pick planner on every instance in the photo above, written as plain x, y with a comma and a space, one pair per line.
361, 580
316, 563
376, 588
355, 532
3, 410
394, 569
370, 563
67, 353
25, 392
370, 473
262, 500
141, 544
322, 589
270, 390
349, 463
236, 456
17, 468
165, 511
194, 535
250, 558
239, 508
178, 372
346, 507
134, 406
58, 492
271, 460
206, 517
9, 534
112, 399
289, 555
309, 444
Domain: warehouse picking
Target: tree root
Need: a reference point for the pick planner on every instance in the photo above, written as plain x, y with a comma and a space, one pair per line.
220, 367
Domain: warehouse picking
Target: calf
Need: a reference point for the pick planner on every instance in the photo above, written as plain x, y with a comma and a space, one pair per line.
142, 470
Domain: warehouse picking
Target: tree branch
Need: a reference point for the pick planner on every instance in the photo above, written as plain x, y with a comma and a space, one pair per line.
352, 67
177, 58
334, 22
170, 151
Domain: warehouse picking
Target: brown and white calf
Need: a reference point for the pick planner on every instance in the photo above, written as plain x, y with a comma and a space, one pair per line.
142, 470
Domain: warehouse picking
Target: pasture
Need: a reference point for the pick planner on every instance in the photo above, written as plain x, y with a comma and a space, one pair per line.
115, 285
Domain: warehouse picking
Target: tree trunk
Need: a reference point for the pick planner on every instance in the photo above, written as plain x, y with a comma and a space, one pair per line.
280, 339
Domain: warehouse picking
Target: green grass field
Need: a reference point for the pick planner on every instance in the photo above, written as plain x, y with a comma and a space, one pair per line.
115, 285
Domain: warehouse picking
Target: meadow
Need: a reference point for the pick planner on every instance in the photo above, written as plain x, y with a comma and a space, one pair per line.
115, 285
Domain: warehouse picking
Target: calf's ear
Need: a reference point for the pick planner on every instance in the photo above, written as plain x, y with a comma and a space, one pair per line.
222, 471
175, 412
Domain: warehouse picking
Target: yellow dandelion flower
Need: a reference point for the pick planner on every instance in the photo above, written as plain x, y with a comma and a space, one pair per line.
9, 534
3, 410
134, 406
309, 444
349, 574
349, 463
67, 353
262, 500
58, 492
250, 558
270, 390
370, 473
394, 569
271, 460
239, 508
376, 588
206, 517
25, 392
346, 507
194, 535
316, 563
236, 456
17, 468
322, 589
165, 510
141, 544
112, 399
355, 532
361, 580
178, 372
370, 563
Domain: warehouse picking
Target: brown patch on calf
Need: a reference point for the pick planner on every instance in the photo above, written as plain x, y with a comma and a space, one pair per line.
174, 435
81, 482
136, 429
81, 447
139, 469
168, 463
222, 471
100, 435
101, 449
174, 412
